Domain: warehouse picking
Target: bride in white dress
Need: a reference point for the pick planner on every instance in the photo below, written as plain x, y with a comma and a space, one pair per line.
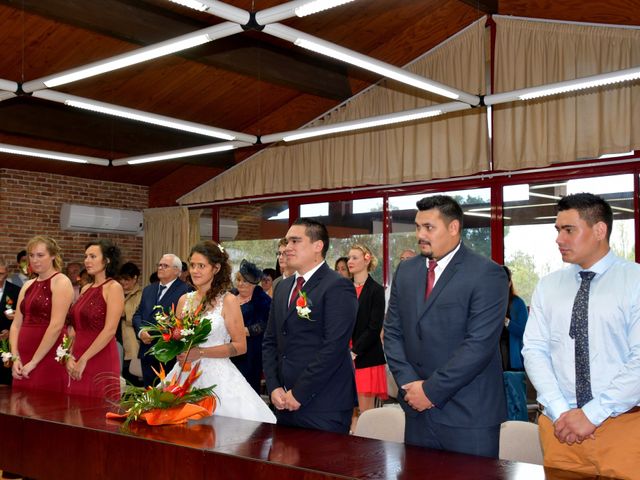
211, 275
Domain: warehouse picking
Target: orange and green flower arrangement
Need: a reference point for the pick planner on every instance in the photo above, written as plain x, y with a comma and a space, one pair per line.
168, 402
176, 335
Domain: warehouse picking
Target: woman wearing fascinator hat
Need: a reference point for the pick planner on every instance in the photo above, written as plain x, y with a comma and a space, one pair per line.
255, 304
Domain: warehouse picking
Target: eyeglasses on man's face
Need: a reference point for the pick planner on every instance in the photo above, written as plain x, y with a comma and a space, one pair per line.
163, 266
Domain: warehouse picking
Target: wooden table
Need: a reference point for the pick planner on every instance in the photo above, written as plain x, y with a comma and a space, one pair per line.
54, 436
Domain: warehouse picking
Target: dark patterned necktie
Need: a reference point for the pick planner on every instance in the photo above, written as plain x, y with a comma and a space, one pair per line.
160, 291
431, 277
579, 331
296, 291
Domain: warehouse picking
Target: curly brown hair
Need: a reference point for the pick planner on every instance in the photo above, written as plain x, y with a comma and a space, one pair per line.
215, 254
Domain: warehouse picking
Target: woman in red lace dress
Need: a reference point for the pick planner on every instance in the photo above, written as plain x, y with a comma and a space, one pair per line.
40, 315
94, 365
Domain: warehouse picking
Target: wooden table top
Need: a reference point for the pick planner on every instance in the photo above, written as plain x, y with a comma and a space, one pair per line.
46, 427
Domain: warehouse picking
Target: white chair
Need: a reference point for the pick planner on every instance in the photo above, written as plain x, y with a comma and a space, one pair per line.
135, 367
386, 423
520, 441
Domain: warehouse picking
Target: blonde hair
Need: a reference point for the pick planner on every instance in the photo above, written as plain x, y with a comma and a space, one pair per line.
52, 247
366, 251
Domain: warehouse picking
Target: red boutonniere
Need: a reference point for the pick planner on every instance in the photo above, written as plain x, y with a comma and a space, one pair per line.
303, 306
8, 306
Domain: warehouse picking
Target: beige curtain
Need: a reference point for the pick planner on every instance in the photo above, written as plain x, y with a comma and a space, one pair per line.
166, 230
455, 144
572, 126
194, 228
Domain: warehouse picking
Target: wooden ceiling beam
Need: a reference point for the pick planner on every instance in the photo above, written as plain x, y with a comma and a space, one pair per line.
486, 6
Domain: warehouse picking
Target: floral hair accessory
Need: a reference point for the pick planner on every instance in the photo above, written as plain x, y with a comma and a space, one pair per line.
303, 306
63, 352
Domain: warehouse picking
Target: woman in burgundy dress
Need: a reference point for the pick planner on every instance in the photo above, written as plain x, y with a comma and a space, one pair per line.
94, 365
40, 315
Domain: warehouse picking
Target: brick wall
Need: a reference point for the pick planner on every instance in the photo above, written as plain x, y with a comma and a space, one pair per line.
30, 205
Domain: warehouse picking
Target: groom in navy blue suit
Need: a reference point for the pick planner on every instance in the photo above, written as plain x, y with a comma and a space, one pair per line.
306, 359
166, 293
441, 337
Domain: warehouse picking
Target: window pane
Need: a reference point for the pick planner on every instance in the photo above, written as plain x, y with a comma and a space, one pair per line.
349, 222
530, 249
476, 232
258, 228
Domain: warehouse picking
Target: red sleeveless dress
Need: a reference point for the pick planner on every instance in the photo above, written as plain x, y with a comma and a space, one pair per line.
36, 315
101, 376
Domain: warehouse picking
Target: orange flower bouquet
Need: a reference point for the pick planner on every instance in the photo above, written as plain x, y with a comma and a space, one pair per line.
168, 402
177, 334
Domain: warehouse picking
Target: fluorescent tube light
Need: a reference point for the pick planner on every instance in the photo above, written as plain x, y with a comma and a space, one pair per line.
66, 157
219, 9
297, 7
140, 116
185, 152
318, 6
150, 52
329, 49
389, 119
118, 63
566, 86
201, 7
8, 85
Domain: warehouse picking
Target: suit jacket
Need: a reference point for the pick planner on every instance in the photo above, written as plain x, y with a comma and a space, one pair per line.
10, 291
311, 357
144, 313
366, 333
451, 341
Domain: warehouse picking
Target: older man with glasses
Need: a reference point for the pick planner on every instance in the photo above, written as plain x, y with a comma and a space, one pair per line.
164, 293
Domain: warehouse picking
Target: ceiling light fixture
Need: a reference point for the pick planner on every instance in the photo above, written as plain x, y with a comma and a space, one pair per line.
300, 8
140, 116
66, 157
389, 119
318, 6
219, 9
185, 152
201, 7
354, 58
566, 86
150, 52
8, 85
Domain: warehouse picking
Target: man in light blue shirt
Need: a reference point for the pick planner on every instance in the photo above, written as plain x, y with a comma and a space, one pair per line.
588, 383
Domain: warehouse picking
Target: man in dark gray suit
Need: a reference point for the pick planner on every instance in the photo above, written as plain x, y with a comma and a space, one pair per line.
165, 293
441, 336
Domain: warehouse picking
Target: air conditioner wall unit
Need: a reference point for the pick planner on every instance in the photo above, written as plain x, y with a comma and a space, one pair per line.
228, 228
87, 218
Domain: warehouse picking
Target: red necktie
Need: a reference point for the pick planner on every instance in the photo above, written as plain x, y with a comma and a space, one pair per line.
296, 290
431, 277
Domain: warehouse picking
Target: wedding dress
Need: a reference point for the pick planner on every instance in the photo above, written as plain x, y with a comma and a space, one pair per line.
236, 398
